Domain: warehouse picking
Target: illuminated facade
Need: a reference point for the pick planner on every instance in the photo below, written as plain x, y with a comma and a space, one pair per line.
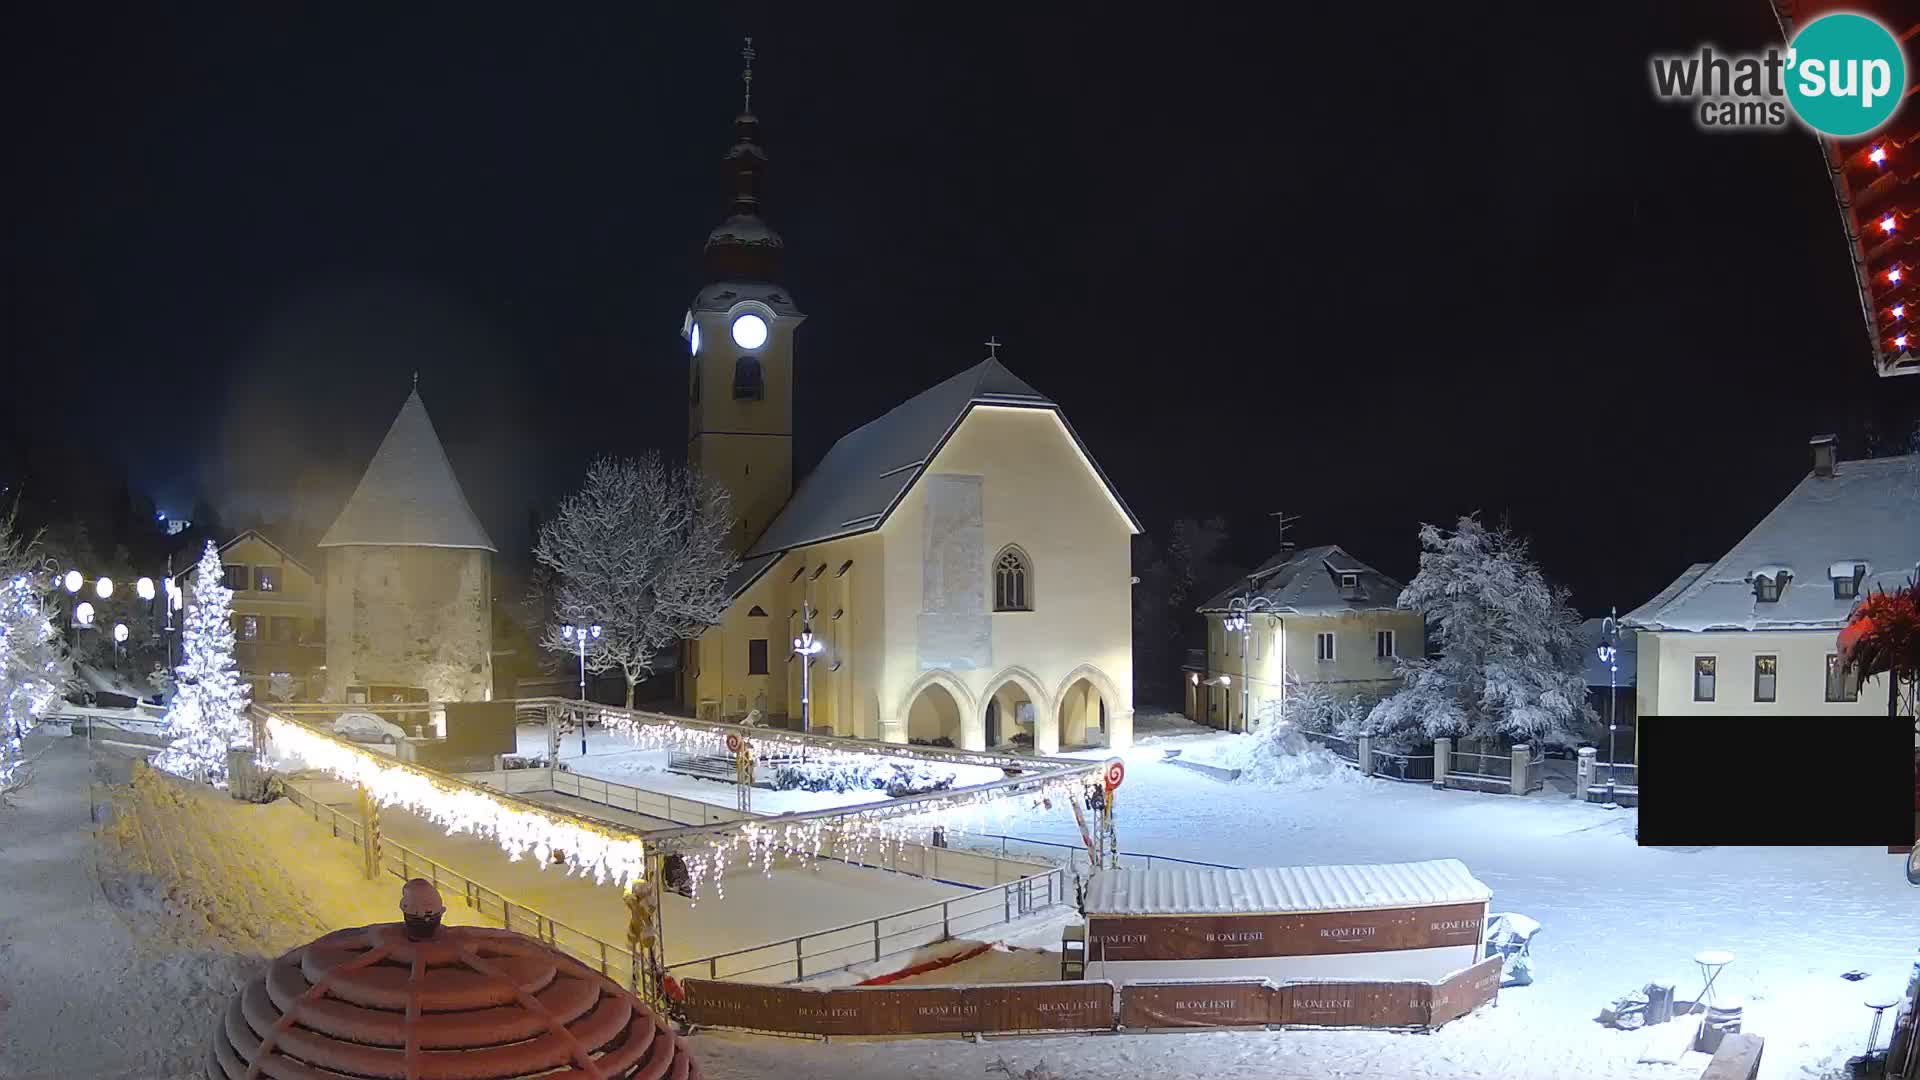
963, 563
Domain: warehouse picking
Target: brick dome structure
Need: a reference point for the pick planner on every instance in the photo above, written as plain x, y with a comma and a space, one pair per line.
419, 1001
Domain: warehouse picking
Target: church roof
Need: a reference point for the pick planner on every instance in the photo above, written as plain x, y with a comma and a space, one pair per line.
870, 470
409, 496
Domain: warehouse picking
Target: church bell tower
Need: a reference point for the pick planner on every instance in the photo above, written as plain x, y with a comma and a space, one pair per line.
739, 334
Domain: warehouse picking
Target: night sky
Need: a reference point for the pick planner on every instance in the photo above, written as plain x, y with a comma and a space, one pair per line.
1372, 268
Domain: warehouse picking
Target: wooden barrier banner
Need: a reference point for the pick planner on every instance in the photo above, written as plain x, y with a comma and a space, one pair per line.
906, 1010
1464, 991
1063, 1006
1198, 1004
1354, 1004
1211, 937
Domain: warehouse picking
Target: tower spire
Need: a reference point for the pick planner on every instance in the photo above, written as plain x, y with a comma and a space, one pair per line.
746, 77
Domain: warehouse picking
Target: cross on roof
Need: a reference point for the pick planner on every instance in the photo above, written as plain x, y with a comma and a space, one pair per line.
746, 77
993, 347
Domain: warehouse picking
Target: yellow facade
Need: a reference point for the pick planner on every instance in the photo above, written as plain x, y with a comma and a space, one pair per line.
1255, 663
278, 616
1068, 660
745, 443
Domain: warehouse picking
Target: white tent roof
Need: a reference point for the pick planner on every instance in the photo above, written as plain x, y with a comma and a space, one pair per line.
409, 496
1193, 890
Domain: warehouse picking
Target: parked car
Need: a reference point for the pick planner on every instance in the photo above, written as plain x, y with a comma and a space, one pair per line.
366, 727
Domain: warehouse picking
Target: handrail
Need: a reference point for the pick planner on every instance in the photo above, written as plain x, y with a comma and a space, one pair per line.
1081, 848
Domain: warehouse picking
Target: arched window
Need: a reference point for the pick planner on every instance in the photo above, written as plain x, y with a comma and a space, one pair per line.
747, 384
1012, 581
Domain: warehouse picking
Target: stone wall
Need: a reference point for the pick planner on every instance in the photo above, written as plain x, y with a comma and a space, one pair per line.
410, 616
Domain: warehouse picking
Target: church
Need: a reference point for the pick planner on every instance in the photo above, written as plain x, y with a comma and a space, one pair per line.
958, 569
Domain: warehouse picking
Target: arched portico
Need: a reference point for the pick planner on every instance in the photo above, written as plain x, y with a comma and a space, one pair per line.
1091, 711
935, 700
1011, 688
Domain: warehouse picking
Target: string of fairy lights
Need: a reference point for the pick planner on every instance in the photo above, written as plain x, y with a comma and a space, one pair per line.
866, 833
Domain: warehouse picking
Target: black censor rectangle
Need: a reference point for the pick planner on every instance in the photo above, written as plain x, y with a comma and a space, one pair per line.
1762, 781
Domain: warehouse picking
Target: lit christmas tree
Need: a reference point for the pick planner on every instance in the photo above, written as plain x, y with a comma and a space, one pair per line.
34, 667
208, 715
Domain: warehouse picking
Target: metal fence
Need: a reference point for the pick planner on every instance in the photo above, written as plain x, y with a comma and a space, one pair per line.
826, 951
1494, 771
613, 961
1415, 768
1346, 750
1075, 856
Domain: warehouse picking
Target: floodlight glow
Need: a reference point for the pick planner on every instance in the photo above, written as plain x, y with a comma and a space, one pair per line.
1893, 275
749, 331
1878, 155
1886, 223
1899, 311
1900, 342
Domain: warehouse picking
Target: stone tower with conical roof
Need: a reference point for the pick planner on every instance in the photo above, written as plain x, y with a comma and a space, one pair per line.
409, 578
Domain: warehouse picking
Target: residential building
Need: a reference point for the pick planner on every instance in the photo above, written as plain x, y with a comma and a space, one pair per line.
1317, 615
962, 561
1754, 632
279, 616
409, 578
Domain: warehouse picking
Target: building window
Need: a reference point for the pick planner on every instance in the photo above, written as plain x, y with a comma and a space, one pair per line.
693, 395
1843, 682
246, 627
1847, 586
1765, 677
1012, 581
1349, 582
236, 577
747, 383
757, 656
266, 579
281, 630
1323, 646
757, 612
1767, 587
1703, 673
1383, 644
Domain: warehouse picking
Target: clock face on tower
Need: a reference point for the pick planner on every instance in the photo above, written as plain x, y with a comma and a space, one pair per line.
749, 331
693, 339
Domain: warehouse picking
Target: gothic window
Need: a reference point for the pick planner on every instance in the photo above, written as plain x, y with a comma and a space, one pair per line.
747, 383
1012, 581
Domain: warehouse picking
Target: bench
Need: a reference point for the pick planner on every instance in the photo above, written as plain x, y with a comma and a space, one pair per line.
1737, 1059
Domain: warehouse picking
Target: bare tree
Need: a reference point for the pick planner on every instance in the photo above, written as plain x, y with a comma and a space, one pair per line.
639, 551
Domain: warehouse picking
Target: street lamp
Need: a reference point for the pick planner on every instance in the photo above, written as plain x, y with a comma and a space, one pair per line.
1238, 608
144, 587
73, 581
806, 647
83, 614
581, 635
1609, 651
103, 588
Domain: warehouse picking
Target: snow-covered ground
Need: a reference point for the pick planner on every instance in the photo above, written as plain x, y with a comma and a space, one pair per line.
612, 756
1615, 917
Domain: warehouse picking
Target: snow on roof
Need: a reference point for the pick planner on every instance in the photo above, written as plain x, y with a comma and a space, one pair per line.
191, 557
866, 474
1869, 508
409, 496
1626, 655
1191, 890
744, 229
1307, 582
722, 295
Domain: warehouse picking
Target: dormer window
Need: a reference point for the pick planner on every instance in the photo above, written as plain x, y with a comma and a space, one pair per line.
1768, 585
1846, 577
1349, 582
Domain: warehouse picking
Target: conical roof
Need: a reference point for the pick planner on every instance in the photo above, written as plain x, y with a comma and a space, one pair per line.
467, 1003
409, 496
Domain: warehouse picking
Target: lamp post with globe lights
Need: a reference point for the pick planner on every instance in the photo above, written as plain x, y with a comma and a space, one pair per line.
1238, 608
806, 647
580, 635
1609, 652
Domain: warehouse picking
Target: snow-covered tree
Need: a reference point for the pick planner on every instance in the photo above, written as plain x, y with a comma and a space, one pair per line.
1511, 659
641, 552
34, 666
208, 713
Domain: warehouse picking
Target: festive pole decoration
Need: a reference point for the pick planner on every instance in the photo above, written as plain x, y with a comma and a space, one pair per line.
1111, 776
742, 771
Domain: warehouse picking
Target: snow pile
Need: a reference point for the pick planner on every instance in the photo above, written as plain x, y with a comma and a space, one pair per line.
1279, 754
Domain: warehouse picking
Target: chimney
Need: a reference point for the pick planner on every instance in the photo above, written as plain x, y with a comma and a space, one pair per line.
1825, 455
